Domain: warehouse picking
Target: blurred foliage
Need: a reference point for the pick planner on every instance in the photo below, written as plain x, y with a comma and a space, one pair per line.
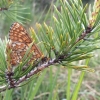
37, 10
87, 1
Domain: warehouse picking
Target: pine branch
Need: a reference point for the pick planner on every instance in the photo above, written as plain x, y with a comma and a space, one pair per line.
13, 10
86, 32
1, 9
40, 67
14, 84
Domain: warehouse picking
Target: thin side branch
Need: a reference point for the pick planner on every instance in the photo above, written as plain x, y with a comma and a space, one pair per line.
1, 9
83, 35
